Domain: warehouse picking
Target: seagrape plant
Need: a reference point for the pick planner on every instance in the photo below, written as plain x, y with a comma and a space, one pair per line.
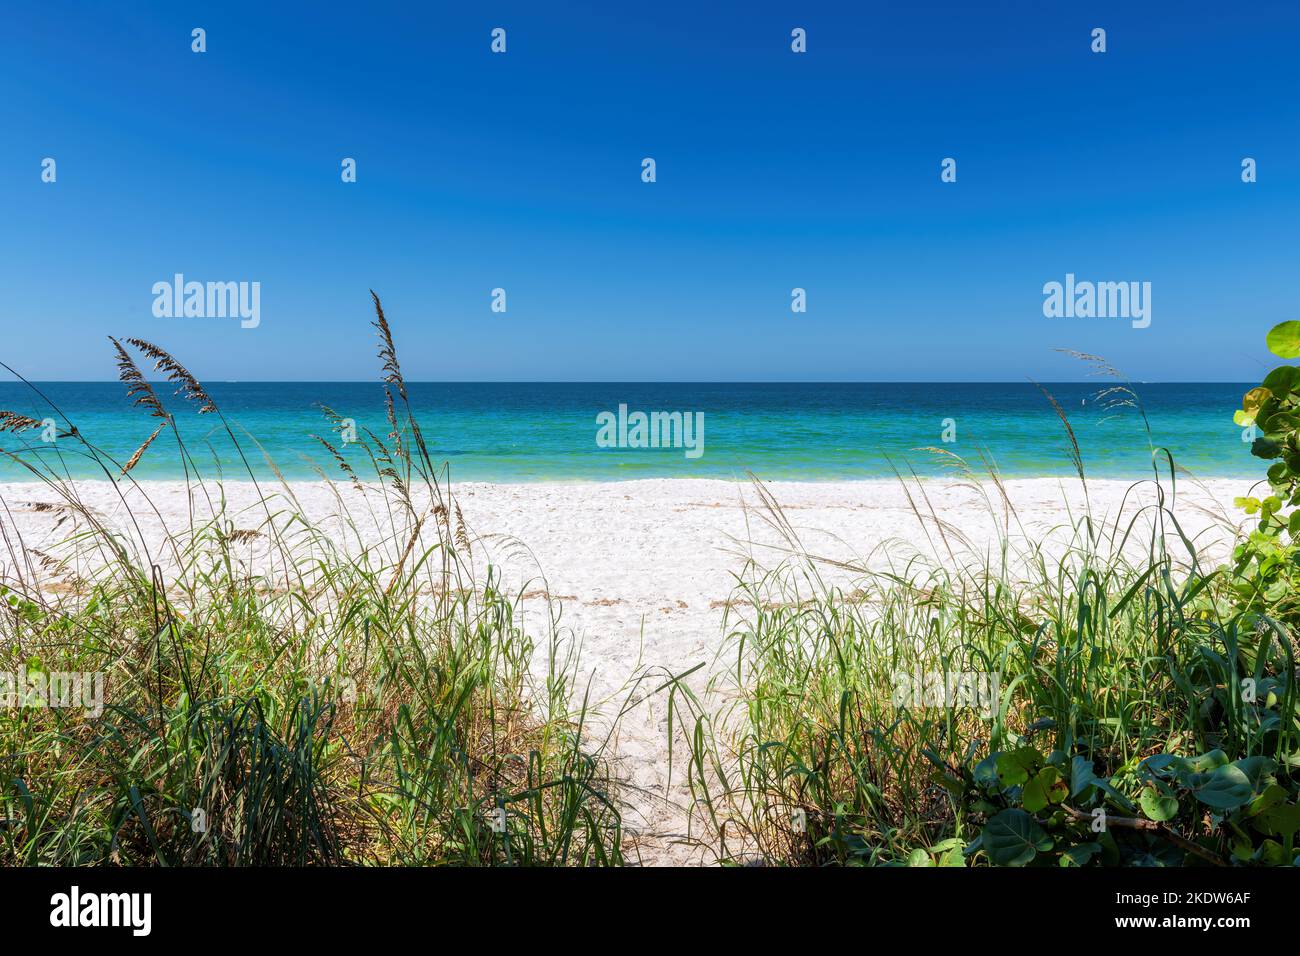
1265, 572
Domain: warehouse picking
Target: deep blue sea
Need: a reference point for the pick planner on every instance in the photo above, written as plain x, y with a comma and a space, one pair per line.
539, 432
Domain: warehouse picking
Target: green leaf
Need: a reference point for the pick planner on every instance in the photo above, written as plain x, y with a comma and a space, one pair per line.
1159, 763
1047, 784
1034, 796
1014, 838
1282, 820
1284, 340
1258, 770
950, 852
1157, 806
953, 857
1281, 380
1265, 448
1014, 767
1081, 775
1079, 855
1279, 423
986, 771
1271, 797
1224, 788
1271, 853
1205, 762
1242, 849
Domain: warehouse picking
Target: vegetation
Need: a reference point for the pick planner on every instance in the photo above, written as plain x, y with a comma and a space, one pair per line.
276, 697
1139, 708
353, 692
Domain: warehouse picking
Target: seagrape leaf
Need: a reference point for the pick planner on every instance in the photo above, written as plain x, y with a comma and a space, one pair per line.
1014, 838
1270, 852
986, 771
1281, 380
1206, 761
1079, 855
1258, 770
1283, 820
1256, 397
1279, 423
950, 852
1265, 448
1157, 806
1271, 797
1159, 763
1043, 788
1224, 788
1014, 767
1081, 775
1284, 340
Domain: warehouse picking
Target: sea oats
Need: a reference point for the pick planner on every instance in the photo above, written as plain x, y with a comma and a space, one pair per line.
139, 452
187, 385
13, 422
392, 371
342, 462
462, 538
138, 388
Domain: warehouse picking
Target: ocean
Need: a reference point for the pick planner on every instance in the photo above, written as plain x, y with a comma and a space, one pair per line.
524, 432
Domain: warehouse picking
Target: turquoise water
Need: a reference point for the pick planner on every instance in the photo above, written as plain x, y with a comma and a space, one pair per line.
532, 432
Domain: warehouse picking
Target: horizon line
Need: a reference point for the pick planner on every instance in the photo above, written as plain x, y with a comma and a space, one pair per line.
1098, 380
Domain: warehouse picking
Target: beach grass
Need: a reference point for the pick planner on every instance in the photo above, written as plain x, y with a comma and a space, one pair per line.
279, 692
1110, 703
274, 698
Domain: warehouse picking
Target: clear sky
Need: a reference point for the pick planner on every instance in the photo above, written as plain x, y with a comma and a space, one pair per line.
775, 170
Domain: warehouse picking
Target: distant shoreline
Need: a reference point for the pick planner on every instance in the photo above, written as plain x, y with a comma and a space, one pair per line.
269, 479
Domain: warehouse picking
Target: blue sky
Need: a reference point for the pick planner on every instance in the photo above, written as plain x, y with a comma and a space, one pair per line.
775, 170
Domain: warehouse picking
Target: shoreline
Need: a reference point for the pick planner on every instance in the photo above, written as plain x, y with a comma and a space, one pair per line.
1247, 479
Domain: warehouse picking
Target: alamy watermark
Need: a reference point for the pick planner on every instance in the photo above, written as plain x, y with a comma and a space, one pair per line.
347, 430
947, 690
59, 689
1102, 300
210, 300
651, 430
133, 911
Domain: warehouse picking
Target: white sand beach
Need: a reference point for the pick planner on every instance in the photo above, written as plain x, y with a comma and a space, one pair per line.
641, 571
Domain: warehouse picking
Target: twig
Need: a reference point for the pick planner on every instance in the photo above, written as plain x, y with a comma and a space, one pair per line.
1159, 829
